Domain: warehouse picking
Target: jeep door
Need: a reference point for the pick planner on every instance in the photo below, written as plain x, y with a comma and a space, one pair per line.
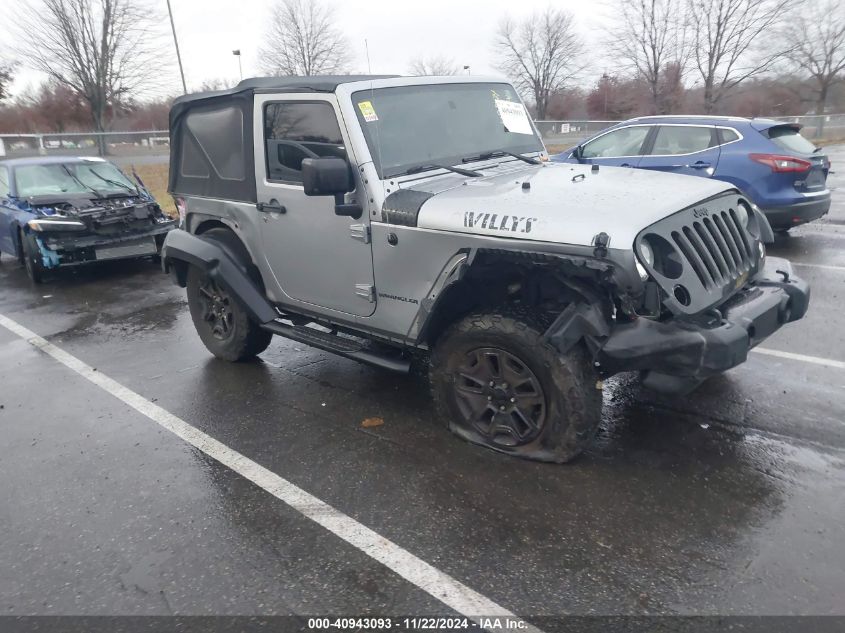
692, 150
317, 258
621, 147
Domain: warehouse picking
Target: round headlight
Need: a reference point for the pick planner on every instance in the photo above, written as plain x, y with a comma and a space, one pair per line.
742, 215
646, 254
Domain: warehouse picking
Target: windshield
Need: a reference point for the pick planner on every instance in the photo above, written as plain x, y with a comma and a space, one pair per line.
431, 124
95, 178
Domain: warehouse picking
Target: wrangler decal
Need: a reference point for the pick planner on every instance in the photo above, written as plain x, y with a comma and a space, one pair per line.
509, 223
384, 295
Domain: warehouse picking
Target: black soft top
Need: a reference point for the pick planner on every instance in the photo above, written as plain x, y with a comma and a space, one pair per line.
316, 83
211, 134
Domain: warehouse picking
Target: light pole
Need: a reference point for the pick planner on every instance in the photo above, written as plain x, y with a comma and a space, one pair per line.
176, 43
237, 53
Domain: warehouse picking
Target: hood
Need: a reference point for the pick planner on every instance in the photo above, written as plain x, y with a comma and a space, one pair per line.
561, 203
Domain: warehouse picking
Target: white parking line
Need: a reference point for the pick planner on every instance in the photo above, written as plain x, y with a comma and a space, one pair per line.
815, 360
822, 266
438, 584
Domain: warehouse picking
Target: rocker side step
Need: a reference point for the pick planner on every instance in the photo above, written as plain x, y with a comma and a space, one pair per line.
339, 345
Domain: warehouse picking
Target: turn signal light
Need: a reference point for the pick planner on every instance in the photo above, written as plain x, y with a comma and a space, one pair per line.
182, 208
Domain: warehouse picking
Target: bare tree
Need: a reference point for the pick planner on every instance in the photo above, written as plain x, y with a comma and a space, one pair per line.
103, 50
303, 40
6, 77
650, 40
216, 83
540, 54
732, 41
816, 37
435, 65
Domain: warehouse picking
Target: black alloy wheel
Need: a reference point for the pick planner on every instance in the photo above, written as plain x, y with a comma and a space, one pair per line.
216, 309
500, 397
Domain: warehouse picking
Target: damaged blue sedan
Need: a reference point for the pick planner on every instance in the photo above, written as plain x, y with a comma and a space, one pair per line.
62, 211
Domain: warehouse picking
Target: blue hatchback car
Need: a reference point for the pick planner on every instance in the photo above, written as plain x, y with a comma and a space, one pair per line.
769, 161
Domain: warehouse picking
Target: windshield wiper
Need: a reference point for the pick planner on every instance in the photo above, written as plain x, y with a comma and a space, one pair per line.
88, 187
463, 172
500, 152
122, 185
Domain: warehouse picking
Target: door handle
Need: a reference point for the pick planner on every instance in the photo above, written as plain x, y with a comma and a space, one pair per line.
700, 165
626, 165
272, 206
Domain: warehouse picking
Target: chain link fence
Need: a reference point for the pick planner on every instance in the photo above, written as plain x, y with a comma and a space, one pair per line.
828, 127
153, 146
823, 127
568, 133
145, 146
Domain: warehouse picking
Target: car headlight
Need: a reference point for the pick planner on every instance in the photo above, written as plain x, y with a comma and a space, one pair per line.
761, 248
646, 253
54, 224
742, 215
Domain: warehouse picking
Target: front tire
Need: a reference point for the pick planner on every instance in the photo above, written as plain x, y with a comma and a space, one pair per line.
499, 384
35, 270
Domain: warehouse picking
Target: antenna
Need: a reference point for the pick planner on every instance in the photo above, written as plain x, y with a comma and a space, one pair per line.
367, 49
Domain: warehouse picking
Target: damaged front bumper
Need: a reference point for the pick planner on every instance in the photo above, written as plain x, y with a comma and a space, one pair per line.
677, 355
60, 249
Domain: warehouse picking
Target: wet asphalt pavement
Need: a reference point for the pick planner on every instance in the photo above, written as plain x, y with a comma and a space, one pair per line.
728, 501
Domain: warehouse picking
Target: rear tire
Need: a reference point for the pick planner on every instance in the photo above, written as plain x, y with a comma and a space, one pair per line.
499, 384
222, 323
35, 270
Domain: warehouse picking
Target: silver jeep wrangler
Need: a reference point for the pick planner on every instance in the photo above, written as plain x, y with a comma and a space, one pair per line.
392, 219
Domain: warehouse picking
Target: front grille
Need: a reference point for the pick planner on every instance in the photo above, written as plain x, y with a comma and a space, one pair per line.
702, 255
716, 248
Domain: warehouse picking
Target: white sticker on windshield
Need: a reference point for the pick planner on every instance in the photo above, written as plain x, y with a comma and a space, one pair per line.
514, 116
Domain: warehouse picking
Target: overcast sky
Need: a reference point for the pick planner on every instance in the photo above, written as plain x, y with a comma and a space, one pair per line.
397, 32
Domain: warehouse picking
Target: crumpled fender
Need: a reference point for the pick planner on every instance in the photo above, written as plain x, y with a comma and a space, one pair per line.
182, 249
578, 321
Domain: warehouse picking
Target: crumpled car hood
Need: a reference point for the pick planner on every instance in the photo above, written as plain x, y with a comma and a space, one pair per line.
561, 203
81, 204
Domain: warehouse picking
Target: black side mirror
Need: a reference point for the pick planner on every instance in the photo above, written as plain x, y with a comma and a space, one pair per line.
326, 176
330, 177
578, 152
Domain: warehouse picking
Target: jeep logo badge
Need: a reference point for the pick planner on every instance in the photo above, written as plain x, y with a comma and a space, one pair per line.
701, 212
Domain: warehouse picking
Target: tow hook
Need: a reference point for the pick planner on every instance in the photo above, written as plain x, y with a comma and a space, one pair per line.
785, 275
600, 244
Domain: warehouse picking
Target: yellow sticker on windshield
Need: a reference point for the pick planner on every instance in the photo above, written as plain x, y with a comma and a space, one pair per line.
368, 111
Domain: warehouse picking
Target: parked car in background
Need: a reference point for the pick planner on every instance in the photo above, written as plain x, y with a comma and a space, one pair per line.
61, 211
782, 172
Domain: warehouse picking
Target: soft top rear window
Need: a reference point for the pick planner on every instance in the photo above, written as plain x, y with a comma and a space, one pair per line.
788, 138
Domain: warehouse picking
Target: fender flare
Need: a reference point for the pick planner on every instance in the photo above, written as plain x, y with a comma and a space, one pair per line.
182, 249
17, 231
